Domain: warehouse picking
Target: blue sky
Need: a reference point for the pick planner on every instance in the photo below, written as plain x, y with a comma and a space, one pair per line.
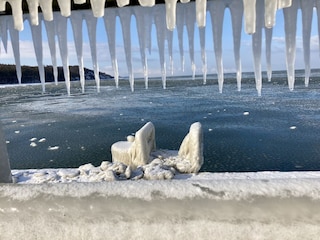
278, 49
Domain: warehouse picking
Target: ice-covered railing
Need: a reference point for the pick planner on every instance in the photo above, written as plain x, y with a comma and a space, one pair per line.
257, 14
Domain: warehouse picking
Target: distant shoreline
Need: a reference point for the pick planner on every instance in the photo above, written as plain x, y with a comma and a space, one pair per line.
30, 74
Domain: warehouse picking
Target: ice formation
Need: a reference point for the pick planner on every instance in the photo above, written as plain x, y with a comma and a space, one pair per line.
263, 205
136, 151
140, 154
257, 14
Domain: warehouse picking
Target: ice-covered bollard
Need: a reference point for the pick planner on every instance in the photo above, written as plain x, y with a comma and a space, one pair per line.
136, 151
5, 170
191, 149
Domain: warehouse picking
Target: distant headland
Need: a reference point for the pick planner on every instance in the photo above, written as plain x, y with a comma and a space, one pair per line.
30, 74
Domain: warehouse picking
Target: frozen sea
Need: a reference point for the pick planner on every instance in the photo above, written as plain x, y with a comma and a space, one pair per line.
242, 132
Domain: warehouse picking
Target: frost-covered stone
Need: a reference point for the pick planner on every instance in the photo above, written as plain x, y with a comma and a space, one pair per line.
127, 173
140, 151
105, 165
68, 173
84, 169
137, 174
191, 149
157, 171
135, 152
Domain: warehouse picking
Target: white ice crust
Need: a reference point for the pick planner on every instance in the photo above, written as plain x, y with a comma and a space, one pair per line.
88, 180
140, 151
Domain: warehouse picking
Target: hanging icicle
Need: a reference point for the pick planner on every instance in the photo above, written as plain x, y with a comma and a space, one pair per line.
173, 16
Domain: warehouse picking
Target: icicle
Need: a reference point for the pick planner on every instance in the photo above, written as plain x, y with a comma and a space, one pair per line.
140, 21
171, 6
202, 34
14, 36
249, 7
148, 15
190, 22
36, 32
170, 48
91, 22
317, 5
268, 34
159, 18
307, 12
79, 1
201, 11
180, 26
284, 3
3, 5
290, 27
33, 11
216, 9
110, 26
147, 3
65, 7
50, 29
16, 6
98, 7
61, 30
76, 22
125, 19
236, 9
271, 7
4, 31
122, 3
46, 7
256, 47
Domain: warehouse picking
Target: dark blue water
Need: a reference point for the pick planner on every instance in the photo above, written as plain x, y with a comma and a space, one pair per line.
242, 132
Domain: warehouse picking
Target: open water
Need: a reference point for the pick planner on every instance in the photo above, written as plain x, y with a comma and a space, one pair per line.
242, 132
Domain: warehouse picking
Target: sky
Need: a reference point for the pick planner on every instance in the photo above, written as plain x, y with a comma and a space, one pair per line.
278, 49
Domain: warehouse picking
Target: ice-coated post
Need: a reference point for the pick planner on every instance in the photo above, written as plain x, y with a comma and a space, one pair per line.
5, 171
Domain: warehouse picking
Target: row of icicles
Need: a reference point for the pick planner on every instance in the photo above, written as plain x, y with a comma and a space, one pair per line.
169, 16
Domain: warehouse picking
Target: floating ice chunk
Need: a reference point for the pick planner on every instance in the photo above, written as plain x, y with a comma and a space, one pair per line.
53, 148
17, 131
293, 127
246, 113
33, 139
42, 140
33, 144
